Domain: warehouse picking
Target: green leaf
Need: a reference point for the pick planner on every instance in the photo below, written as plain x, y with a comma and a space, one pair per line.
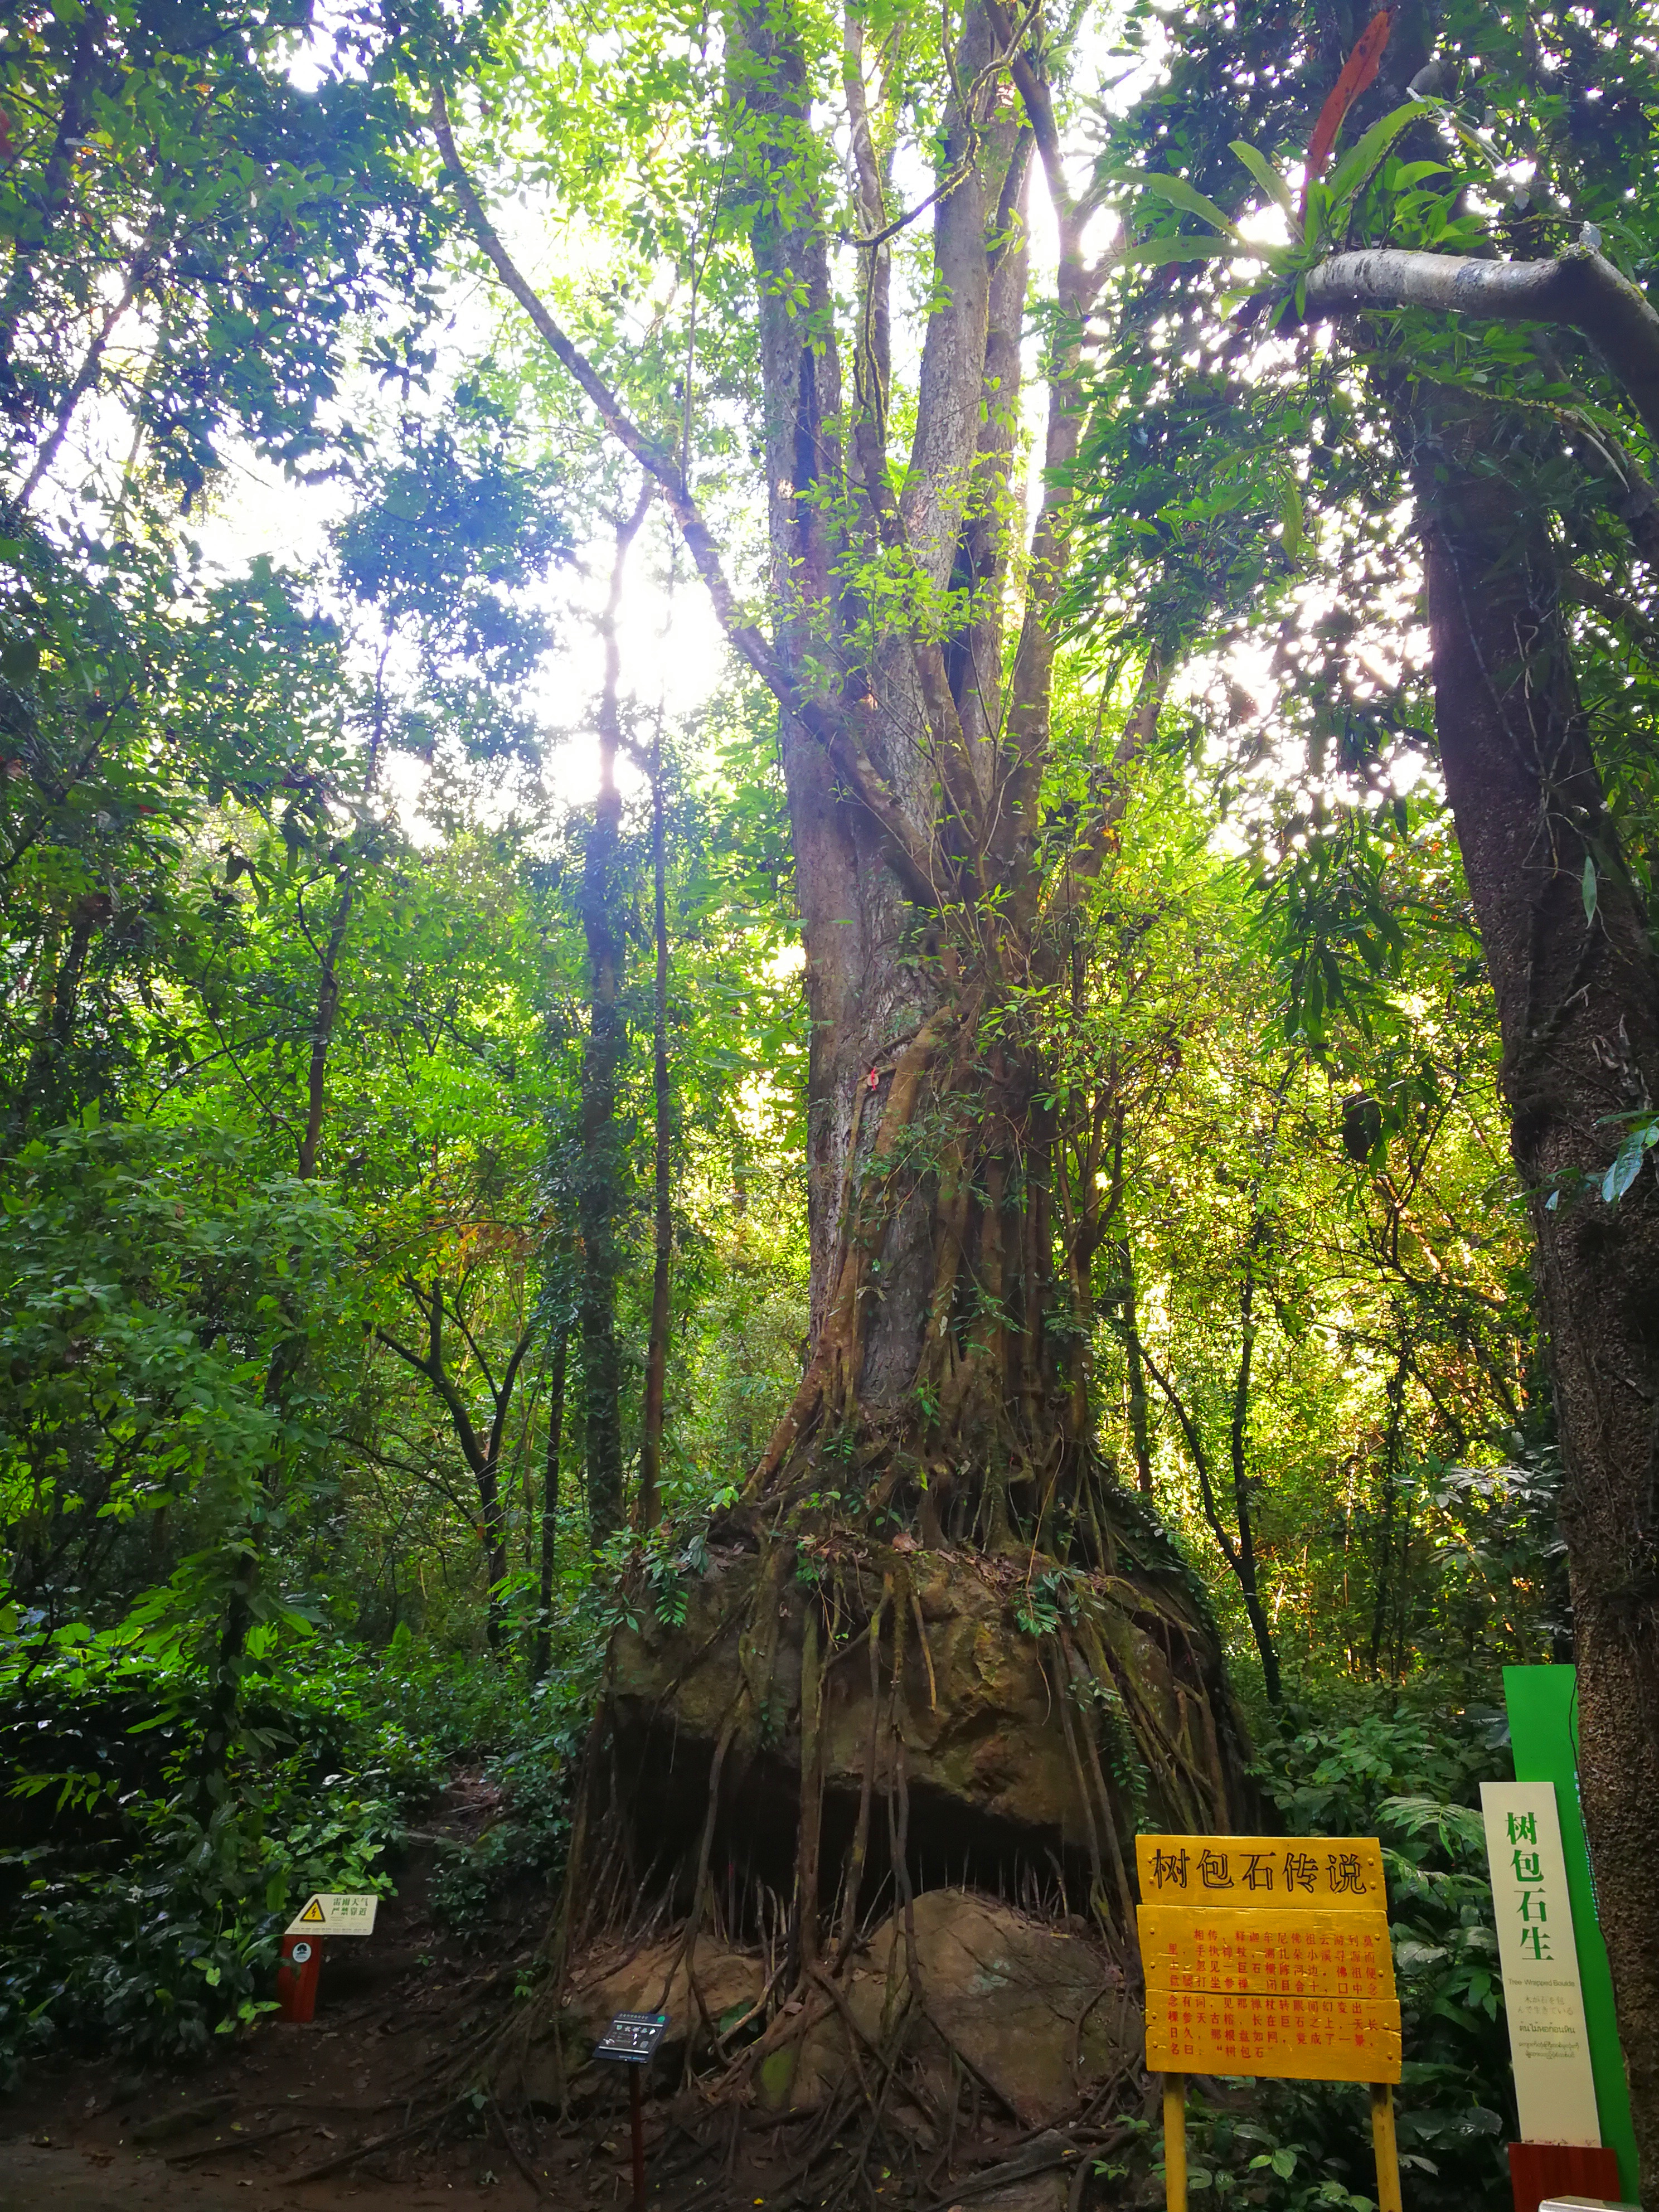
1179, 193
1267, 176
1353, 171
1627, 1160
1293, 518
1154, 250
1589, 889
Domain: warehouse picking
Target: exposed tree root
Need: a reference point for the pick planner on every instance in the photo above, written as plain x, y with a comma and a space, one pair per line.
834, 1671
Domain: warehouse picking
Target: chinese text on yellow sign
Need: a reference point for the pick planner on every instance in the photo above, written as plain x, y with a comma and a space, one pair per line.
1267, 1957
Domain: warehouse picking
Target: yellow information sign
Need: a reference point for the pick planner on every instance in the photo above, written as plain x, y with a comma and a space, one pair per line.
1272, 1952
1269, 1956
1294, 2038
335, 1912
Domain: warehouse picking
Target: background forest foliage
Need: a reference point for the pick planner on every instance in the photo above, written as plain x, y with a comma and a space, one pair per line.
316, 1192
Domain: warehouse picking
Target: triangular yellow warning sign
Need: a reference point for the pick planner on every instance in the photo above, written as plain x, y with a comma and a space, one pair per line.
314, 1912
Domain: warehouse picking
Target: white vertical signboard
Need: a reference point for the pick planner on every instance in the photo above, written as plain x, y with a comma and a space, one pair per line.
1548, 2046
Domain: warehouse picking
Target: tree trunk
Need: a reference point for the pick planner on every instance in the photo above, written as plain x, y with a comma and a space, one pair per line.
322, 1031
543, 1649
1140, 1435
1578, 1004
601, 1168
942, 1392
656, 1354
47, 1092
1392, 1594
933, 1501
245, 1564
932, 1255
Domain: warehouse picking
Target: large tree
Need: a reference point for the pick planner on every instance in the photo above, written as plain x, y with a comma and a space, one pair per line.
949, 832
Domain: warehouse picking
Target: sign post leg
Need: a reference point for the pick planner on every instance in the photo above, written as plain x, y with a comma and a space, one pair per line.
1174, 2144
638, 2117
1388, 2155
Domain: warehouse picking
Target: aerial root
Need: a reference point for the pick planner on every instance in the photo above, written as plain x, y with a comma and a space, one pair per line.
903, 2094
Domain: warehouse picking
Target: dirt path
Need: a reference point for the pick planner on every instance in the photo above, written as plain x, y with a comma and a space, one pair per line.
239, 2128
32, 2179
248, 2126
311, 2119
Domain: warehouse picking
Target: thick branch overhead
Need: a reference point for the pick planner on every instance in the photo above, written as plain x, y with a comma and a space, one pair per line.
1581, 288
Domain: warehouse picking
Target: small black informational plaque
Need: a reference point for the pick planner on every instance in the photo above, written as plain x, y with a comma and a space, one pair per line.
632, 2036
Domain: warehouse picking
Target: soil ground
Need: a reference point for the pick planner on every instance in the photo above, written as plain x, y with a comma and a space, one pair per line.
258, 2114
270, 2121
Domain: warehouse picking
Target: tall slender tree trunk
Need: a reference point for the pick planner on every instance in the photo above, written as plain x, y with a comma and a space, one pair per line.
47, 1092
57, 185
224, 1692
601, 1168
1577, 995
542, 1651
322, 1030
656, 1355
1140, 1433
1391, 1597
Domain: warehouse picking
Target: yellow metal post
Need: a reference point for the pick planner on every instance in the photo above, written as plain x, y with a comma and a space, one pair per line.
1388, 2154
1174, 2144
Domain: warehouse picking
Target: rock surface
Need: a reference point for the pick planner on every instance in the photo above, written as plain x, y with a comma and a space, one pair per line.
1044, 2192
662, 1979
997, 1793
1038, 2014
722, 1982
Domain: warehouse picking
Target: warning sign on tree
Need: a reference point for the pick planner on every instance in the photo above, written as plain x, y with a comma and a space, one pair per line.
334, 1912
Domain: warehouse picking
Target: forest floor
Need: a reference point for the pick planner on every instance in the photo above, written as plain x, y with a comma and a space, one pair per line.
292, 2118
273, 2118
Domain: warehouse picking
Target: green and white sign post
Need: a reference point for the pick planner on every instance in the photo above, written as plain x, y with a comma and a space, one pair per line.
1543, 1710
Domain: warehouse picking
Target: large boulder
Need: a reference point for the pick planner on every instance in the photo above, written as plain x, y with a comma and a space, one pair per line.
1007, 2010
991, 1680
1039, 2015
711, 1990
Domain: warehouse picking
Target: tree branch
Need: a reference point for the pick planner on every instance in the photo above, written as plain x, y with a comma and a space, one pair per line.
907, 850
472, 1343
1581, 287
87, 377
504, 1397
1613, 606
699, 538
433, 1369
1199, 1458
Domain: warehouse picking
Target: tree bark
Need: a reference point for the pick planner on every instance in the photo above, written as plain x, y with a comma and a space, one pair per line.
543, 1648
601, 1167
1578, 1004
656, 1353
